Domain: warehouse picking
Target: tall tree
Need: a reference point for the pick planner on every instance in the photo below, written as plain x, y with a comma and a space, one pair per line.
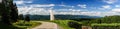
27, 18
13, 12
4, 6
21, 17
8, 11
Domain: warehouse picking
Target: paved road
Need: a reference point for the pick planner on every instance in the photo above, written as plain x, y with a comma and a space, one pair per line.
46, 25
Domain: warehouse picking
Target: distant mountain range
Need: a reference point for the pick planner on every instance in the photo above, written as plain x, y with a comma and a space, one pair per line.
61, 16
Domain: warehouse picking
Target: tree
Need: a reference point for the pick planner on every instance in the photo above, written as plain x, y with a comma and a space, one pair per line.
8, 11
21, 17
13, 13
27, 18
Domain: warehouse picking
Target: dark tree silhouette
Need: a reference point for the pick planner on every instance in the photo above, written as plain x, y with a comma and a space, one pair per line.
4, 9
21, 17
14, 13
75, 25
8, 11
27, 18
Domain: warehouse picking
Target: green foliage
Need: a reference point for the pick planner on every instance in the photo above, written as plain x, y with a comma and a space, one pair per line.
6, 26
63, 23
25, 25
21, 17
8, 12
74, 24
107, 19
27, 18
106, 24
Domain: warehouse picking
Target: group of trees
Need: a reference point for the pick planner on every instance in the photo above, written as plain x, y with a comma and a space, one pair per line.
106, 19
9, 12
109, 19
24, 17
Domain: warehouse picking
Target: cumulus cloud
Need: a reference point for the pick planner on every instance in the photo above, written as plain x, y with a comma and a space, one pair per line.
82, 6
117, 5
110, 1
106, 6
44, 11
116, 10
22, 1
43, 5
90, 13
74, 10
40, 9
33, 11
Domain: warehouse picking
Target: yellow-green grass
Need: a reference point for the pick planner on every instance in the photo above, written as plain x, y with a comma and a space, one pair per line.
6, 26
63, 23
105, 24
25, 25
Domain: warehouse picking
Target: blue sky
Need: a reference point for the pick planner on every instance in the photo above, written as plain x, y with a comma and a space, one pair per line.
72, 7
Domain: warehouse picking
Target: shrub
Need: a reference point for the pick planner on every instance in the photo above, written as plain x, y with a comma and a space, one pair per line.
74, 24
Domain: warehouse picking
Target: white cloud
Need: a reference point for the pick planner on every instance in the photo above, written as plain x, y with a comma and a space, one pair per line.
92, 13
116, 10
106, 6
117, 5
44, 11
43, 5
100, 13
22, 1
33, 11
110, 1
19, 2
74, 10
82, 6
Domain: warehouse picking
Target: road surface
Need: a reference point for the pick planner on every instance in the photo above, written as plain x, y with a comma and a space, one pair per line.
46, 25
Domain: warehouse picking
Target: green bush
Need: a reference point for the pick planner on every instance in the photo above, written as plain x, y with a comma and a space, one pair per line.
74, 24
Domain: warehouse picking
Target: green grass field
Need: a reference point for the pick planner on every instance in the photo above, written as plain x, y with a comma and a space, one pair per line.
63, 23
19, 25
106, 24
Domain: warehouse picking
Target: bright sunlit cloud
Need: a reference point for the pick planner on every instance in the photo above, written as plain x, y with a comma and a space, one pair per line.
106, 6
116, 10
110, 1
82, 6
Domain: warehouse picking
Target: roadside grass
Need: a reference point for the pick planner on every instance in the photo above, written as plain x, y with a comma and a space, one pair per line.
63, 23
25, 25
5, 26
105, 24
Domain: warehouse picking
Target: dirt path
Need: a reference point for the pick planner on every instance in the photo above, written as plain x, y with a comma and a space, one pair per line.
46, 25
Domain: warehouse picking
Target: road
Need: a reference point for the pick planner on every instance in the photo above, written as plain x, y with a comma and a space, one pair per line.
46, 25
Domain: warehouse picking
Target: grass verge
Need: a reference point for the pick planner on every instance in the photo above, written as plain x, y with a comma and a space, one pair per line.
106, 24
25, 25
63, 23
